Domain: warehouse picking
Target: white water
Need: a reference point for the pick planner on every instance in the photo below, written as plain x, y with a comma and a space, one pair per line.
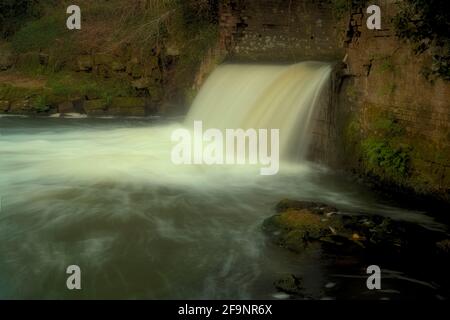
265, 97
103, 194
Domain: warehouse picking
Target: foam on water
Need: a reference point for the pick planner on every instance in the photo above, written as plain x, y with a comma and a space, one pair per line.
105, 195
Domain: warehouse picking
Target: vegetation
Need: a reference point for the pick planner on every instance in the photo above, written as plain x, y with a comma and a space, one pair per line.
426, 24
385, 158
13, 13
41, 34
133, 30
382, 150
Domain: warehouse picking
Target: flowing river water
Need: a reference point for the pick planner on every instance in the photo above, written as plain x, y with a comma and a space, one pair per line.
103, 194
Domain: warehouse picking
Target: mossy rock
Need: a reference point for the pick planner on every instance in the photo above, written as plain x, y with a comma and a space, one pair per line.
289, 284
295, 229
287, 204
299, 224
95, 107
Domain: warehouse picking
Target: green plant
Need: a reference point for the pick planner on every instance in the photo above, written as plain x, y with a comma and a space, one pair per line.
387, 65
40, 104
383, 157
40, 34
388, 127
13, 13
425, 23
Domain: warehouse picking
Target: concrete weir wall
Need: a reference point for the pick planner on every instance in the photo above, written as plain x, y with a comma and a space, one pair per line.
280, 30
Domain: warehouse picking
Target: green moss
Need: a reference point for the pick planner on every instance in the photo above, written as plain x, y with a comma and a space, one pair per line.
352, 130
386, 159
41, 104
10, 93
425, 25
387, 65
351, 91
80, 85
388, 126
40, 34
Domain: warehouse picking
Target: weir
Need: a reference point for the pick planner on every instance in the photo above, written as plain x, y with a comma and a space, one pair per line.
284, 97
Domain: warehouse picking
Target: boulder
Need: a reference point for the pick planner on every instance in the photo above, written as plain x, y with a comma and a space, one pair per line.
299, 224
296, 227
289, 284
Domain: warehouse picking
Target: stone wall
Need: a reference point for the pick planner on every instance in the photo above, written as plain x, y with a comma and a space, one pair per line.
385, 121
279, 30
140, 70
385, 97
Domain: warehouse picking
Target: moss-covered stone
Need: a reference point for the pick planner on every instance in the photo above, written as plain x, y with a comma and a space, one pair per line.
300, 224
289, 284
95, 107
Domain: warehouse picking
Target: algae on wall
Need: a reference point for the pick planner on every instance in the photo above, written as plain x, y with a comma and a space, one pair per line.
395, 121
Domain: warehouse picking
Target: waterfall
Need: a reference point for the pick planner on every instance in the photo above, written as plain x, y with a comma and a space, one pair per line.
265, 97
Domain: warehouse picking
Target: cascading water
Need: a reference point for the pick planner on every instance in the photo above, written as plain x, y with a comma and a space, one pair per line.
264, 97
104, 195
